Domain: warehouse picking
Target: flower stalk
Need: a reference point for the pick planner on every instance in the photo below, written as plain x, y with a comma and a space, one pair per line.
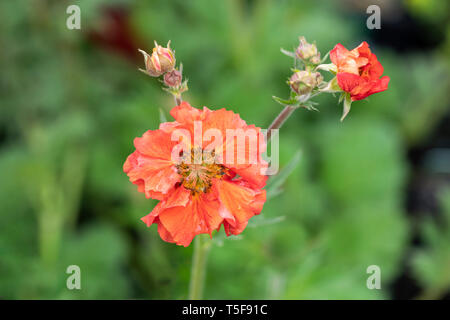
202, 246
280, 120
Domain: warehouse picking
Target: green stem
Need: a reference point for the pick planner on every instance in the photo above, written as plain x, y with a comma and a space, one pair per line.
202, 246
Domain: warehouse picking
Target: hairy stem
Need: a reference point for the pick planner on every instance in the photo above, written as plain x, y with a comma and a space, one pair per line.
202, 245
177, 98
280, 119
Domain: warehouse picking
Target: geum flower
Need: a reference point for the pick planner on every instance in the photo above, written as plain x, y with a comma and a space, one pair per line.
358, 71
198, 197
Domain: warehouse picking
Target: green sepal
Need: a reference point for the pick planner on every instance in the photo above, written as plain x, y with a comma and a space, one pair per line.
347, 104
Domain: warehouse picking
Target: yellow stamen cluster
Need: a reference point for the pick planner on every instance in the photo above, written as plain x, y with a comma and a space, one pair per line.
198, 177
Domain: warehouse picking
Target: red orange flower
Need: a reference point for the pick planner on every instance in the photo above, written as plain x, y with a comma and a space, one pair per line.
198, 197
358, 71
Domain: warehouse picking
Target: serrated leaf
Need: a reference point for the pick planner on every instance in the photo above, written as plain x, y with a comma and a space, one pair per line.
284, 102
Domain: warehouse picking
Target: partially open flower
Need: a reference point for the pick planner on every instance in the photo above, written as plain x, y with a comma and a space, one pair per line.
303, 82
161, 60
358, 71
307, 51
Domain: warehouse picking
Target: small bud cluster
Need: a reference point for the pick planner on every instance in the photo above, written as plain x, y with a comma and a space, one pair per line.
162, 63
303, 82
306, 81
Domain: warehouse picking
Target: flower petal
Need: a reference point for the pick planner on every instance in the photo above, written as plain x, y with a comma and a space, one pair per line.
349, 81
178, 198
154, 177
184, 113
338, 53
243, 155
239, 201
222, 120
201, 215
155, 144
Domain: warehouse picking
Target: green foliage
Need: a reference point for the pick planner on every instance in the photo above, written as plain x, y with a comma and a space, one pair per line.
431, 263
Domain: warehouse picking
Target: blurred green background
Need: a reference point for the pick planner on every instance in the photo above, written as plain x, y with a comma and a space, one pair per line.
373, 190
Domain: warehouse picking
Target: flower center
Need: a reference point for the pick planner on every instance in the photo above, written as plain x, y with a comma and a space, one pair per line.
196, 176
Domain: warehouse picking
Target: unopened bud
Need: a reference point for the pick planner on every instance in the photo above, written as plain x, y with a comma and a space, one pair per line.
307, 51
173, 78
161, 60
303, 82
315, 59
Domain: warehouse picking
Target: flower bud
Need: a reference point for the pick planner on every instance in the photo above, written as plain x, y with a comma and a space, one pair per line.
303, 82
307, 52
173, 78
161, 60
315, 59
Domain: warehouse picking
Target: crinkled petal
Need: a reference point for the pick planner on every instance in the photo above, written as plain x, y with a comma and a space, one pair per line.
154, 177
360, 88
164, 233
243, 155
349, 81
238, 203
178, 198
253, 174
201, 215
373, 70
222, 120
338, 53
184, 113
155, 144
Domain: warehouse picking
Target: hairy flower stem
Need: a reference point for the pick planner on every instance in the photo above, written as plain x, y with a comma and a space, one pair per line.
177, 98
279, 120
202, 245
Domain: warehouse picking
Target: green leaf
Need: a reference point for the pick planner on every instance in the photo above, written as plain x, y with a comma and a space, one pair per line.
274, 184
162, 115
288, 53
309, 105
284, 102
431, 263
347, 105
260, 221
